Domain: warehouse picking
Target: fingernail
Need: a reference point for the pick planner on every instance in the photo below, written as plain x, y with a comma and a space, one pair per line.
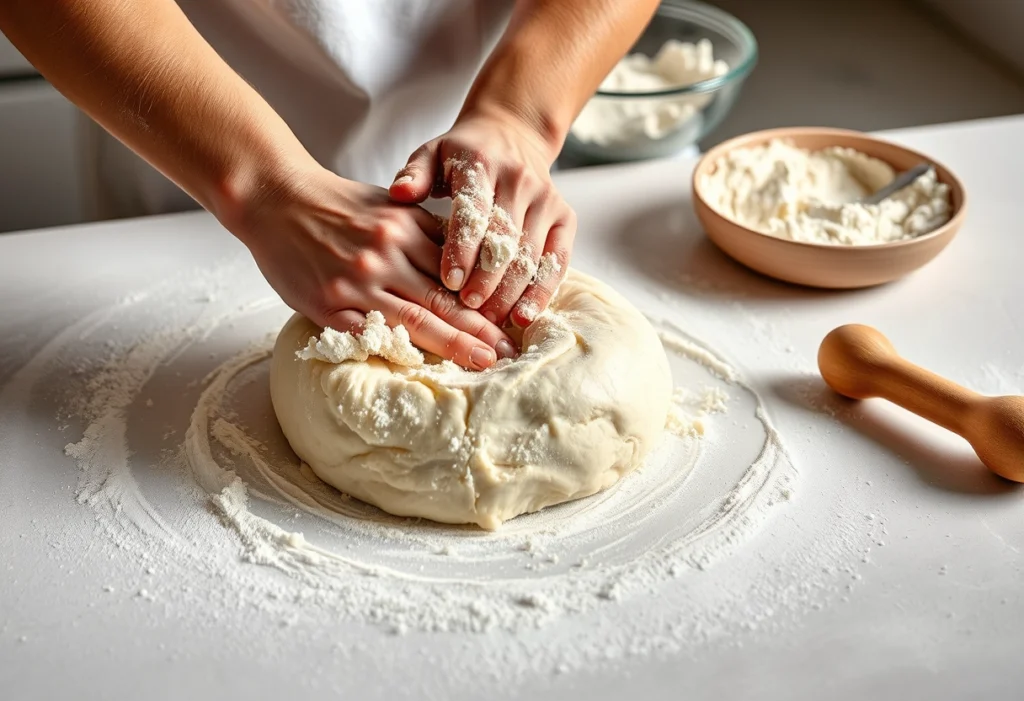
491, 317
481, 358
505, 349
474, 300
403, 180
455, 279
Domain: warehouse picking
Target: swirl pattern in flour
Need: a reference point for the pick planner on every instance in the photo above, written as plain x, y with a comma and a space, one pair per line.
694, 501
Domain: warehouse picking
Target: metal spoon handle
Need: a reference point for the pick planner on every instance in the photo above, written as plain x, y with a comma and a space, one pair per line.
900, 182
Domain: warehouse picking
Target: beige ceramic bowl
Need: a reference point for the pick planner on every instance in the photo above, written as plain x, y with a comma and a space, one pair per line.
824, 265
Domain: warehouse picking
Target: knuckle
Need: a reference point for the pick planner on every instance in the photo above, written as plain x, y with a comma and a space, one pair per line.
452, 337
336, 292
365, 263
527, 183
383, 232
561, 254
476, 164
467, 226
413, 317
440, 302
517, 177
326, 298
419, 154
537, 184
336, 320
548, 284
548, 200
333, 308
514, 276
500, 306
322, 315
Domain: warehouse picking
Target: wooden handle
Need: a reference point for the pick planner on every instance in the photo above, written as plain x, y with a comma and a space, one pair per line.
859, 362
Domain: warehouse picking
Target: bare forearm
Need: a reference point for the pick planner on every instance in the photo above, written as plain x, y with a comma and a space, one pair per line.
553, 57
146, 75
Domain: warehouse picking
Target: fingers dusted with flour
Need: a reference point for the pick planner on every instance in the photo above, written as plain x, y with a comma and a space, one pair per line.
435, 336
550, 273
540, 219
336, 250
500, 246
505, 210
472, 205
446, 306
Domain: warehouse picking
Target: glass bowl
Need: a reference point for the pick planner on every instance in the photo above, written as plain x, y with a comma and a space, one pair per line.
697, 108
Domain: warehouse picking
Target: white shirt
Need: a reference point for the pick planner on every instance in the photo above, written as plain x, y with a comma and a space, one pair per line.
362, 83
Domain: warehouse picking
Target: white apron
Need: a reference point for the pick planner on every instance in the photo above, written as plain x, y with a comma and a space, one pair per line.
362, 83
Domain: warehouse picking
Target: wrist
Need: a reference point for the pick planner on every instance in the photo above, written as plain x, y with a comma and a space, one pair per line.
264, 171
512, 88
545, 134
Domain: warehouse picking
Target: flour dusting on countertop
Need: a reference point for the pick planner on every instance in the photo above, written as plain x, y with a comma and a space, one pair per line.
252, 541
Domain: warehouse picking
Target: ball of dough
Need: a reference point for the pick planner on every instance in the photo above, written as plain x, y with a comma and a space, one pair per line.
579, 408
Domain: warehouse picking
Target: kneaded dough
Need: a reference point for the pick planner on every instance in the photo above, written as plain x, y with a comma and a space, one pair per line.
579, 408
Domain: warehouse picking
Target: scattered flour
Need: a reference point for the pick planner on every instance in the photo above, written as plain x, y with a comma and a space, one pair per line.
523, 263
529, 309
689, 409
639, 553
497, 251
501, 242
547, 269
607, 120
811, 196
677, 343
472, 200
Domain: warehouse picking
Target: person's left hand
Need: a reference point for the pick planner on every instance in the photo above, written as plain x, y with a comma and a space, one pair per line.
510, 234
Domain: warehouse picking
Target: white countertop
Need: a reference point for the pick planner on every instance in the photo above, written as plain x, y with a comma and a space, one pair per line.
922, 597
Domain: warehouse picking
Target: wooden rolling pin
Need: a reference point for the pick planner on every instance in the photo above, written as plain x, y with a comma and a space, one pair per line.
859, 362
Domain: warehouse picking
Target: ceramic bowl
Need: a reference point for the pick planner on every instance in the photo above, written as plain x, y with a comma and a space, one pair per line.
827, 265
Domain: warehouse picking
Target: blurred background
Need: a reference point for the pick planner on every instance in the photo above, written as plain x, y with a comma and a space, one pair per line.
859, 64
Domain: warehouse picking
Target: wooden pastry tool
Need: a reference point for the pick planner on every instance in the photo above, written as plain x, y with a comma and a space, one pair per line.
859, 362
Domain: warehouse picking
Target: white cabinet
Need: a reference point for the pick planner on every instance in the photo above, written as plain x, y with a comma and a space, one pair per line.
41, 157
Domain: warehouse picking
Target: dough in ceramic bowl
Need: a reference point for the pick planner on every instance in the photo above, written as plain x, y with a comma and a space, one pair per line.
579, 408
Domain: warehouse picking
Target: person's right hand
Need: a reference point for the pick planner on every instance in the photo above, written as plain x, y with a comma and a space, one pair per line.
335, 249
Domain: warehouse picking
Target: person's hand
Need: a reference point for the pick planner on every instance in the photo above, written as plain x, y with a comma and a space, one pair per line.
335, 249
510, 234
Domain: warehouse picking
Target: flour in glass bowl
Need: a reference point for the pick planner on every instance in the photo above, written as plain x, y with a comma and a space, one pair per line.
623, 121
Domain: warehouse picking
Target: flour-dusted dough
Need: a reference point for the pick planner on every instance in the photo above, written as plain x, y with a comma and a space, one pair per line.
580, 408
